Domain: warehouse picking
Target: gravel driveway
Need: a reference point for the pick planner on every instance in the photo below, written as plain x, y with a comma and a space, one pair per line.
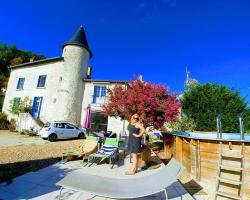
8, 138
23, 154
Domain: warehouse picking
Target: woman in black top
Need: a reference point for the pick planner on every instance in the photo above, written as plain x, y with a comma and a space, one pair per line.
136, 130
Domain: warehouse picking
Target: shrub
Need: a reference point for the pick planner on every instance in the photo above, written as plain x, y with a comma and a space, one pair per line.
3, 121
182, 124
28, 132
12, 125
18, 105
15, 106
25, 105
23, 132
203, 102
32, 133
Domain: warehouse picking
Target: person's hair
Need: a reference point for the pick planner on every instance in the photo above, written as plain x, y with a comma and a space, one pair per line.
135, 116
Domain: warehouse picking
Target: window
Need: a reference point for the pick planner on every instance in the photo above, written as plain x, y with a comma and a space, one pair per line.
99, 96
99, 122
59, 125
41, 81
20, 84
69, 126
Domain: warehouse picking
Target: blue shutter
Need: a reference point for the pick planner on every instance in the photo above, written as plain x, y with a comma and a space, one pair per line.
40, 107
17, 87
33, 106
94, 95
38, 83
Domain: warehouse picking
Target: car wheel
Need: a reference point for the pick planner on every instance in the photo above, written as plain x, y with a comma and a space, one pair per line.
81, 136
52, 137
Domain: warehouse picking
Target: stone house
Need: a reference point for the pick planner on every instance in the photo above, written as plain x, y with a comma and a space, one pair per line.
61, 88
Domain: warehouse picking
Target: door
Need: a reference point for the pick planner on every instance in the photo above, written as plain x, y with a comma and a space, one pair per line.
59, 129
70, 130
36, 108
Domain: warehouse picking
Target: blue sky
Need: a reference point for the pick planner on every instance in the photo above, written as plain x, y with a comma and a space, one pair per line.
155, 38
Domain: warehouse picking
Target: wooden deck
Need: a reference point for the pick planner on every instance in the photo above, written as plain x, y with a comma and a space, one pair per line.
201, 157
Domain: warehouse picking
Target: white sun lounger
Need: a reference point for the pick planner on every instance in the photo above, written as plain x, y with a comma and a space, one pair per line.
124, 188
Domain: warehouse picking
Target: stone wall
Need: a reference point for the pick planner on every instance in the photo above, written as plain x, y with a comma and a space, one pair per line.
75, 68
26, 122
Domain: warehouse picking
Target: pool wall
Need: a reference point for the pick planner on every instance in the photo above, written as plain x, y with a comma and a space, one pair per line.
201, 156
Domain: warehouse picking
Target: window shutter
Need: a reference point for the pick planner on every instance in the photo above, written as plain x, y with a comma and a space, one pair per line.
33, 106
95, 93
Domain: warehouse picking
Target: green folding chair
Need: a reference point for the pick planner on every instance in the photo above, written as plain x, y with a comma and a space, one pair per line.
109, 150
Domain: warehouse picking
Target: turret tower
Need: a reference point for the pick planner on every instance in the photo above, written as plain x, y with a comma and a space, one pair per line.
76, 54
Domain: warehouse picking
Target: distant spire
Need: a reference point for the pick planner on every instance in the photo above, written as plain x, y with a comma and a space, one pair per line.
187, 74
189, 82
140, 78
79, 39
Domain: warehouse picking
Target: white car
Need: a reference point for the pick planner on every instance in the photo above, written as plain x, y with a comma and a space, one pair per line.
61, 130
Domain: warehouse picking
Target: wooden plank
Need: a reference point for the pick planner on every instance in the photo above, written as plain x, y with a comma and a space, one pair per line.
208, 147
209, 155
229, 188
231, 168
209, 165
208, 174
179, 151
228, 195
198, 163
230, 181
238, 156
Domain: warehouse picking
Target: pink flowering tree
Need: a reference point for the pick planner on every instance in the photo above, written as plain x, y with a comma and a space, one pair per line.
152, 102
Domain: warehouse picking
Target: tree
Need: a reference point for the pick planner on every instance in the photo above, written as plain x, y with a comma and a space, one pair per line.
2, 82
191, 83
152, 102
246, 120
183, 123
203, 102
18, 105
11, 55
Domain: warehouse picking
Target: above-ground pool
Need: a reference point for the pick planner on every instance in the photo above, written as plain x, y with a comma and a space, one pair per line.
200, 154
213, 136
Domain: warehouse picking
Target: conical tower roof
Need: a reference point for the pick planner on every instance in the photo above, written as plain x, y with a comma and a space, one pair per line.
79, 39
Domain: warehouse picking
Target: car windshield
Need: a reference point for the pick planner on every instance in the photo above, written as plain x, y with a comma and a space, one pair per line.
46, 125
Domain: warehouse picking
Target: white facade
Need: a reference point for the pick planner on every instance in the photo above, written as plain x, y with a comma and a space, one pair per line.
30, 89
67, 91
113, 124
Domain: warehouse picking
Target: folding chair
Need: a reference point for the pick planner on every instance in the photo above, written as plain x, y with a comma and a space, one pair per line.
109, 150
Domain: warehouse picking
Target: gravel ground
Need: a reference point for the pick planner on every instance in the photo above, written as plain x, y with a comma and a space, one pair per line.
21, 159
8, 138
